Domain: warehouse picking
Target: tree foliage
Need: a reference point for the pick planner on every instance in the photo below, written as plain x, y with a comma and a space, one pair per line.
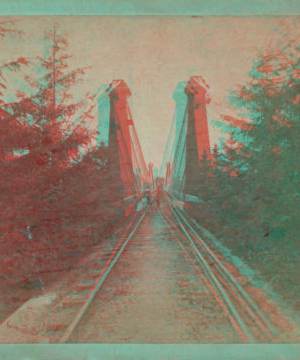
55, 194
253, 183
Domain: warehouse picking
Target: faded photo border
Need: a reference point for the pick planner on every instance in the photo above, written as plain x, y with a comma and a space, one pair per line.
150, 8
154, 7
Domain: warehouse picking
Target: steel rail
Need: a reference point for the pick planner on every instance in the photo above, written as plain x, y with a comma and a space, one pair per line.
253, 309
100, 280
218, 285
218, 292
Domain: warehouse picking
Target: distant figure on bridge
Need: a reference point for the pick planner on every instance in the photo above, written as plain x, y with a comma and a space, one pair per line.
148, 197
158, 195
157, 202
156, 199
147, 193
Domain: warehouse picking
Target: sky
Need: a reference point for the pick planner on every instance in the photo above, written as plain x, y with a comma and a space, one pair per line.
152, 55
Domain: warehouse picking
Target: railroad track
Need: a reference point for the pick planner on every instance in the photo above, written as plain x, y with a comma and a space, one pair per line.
240, 310
68, 299
244, 314
102, 275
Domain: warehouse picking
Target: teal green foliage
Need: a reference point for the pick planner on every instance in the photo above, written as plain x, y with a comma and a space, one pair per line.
253, 183
271, 101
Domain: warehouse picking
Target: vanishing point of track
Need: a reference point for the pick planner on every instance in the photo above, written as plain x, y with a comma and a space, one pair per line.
242, 313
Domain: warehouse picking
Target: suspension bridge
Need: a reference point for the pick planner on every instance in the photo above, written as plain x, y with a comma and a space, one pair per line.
161, 277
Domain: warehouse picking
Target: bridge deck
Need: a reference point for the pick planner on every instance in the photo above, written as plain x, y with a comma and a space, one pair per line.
153, 294
153, 281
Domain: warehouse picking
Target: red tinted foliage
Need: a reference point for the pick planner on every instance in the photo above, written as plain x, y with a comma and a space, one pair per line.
55, 202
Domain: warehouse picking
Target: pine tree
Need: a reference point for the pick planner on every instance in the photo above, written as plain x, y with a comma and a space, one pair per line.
270, 154
50, 123
13, 136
